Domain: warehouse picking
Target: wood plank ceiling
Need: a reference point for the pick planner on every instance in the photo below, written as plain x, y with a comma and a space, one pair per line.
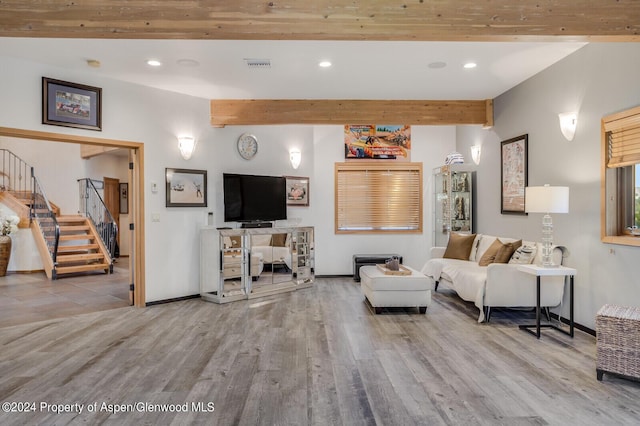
414, 20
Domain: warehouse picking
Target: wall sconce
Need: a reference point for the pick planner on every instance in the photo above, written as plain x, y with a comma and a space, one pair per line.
568, 123
295, 156
187, 145
476, 150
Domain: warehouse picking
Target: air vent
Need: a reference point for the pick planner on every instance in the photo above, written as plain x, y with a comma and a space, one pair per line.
258, 63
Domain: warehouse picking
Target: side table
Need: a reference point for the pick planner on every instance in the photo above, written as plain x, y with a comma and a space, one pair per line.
542, 271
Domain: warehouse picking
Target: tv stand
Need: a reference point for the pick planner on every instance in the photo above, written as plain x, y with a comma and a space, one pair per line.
240, 264
256, 225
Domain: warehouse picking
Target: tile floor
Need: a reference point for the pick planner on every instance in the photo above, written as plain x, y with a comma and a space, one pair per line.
30, 297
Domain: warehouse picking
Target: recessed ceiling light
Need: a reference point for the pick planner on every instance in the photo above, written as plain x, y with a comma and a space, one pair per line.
187, 62
470, 65
154, 62
324, 64
436, 65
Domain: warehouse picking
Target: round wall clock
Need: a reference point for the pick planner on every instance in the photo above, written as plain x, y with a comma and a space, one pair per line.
247, 146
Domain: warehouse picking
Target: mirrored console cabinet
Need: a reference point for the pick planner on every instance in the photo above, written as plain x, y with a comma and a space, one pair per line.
238, 264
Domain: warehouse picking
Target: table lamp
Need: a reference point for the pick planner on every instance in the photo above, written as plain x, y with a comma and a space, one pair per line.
547, 199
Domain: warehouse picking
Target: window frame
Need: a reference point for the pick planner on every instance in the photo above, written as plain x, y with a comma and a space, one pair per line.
379, 166
615, 182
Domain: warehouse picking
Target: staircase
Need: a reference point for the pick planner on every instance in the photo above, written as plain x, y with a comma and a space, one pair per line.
67, 244
80, 248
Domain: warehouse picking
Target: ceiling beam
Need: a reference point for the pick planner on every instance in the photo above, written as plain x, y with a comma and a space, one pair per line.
410, 20
346, 111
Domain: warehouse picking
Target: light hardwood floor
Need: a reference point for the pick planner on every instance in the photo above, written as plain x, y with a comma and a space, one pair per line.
26, 298
315, 356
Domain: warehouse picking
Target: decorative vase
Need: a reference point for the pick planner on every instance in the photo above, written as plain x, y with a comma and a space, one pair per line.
5, 253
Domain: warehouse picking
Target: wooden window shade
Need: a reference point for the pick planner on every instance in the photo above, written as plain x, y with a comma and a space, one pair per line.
622, 135
378, 197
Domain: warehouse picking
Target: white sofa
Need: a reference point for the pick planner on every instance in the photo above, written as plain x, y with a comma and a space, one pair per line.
497, 284
273, 250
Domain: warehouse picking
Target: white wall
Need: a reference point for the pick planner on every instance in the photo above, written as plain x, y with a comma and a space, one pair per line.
156, 118
116, 167
597, 80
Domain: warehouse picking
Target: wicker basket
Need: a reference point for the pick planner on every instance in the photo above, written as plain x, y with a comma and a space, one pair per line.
618, 341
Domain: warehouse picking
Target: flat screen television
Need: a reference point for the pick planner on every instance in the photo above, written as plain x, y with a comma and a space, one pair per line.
252, 198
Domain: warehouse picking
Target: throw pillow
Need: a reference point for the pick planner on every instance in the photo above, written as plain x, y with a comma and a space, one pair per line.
278, 240
459, 246
506, 251
236, 241
524, 255
490, 254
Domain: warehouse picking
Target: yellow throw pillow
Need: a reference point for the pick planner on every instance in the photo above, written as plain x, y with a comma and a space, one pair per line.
459, 246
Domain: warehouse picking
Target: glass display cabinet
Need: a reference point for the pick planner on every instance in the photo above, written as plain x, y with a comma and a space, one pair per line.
238, 264
454, 203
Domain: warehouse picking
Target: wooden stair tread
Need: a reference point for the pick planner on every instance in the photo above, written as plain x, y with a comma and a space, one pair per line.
71, 237
81, 268
70, 218
73, 228
79, 247
78, 257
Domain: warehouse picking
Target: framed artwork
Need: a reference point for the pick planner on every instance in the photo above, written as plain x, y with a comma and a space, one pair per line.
186, 188
377, 141
71, 105
124, 198
297, 191
513, 174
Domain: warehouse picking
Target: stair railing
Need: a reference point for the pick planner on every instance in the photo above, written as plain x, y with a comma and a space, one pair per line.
18, 178
43, 214
16, 173
92, 206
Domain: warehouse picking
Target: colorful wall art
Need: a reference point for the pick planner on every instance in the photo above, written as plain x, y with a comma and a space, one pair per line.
377, 141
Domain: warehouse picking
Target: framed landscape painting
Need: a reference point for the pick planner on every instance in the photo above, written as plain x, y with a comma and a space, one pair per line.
513, 160
186, 188
71, 105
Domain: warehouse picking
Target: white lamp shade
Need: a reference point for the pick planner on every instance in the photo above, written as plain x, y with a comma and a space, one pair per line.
187, 145
547, 199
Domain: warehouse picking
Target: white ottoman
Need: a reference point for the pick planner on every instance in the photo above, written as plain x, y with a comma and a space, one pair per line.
391, 291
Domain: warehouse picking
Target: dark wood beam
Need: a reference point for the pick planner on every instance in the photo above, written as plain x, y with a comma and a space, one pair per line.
346, 111
420, 20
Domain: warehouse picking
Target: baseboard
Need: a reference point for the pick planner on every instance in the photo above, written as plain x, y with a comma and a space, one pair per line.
575, 324
175, 299
334, 276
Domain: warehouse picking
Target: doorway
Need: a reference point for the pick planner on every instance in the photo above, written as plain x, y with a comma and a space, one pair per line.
136, 196
111, 195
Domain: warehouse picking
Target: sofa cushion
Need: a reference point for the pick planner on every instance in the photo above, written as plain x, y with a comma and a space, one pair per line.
474, 247
279, 240
524, 254
506, 251
459, 246
490, 254
262, 240
499, 252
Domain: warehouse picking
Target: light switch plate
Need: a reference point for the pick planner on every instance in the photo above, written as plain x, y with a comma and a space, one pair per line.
154, 187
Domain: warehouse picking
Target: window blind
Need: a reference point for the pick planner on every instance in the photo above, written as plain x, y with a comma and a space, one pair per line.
622, 134
373, 197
